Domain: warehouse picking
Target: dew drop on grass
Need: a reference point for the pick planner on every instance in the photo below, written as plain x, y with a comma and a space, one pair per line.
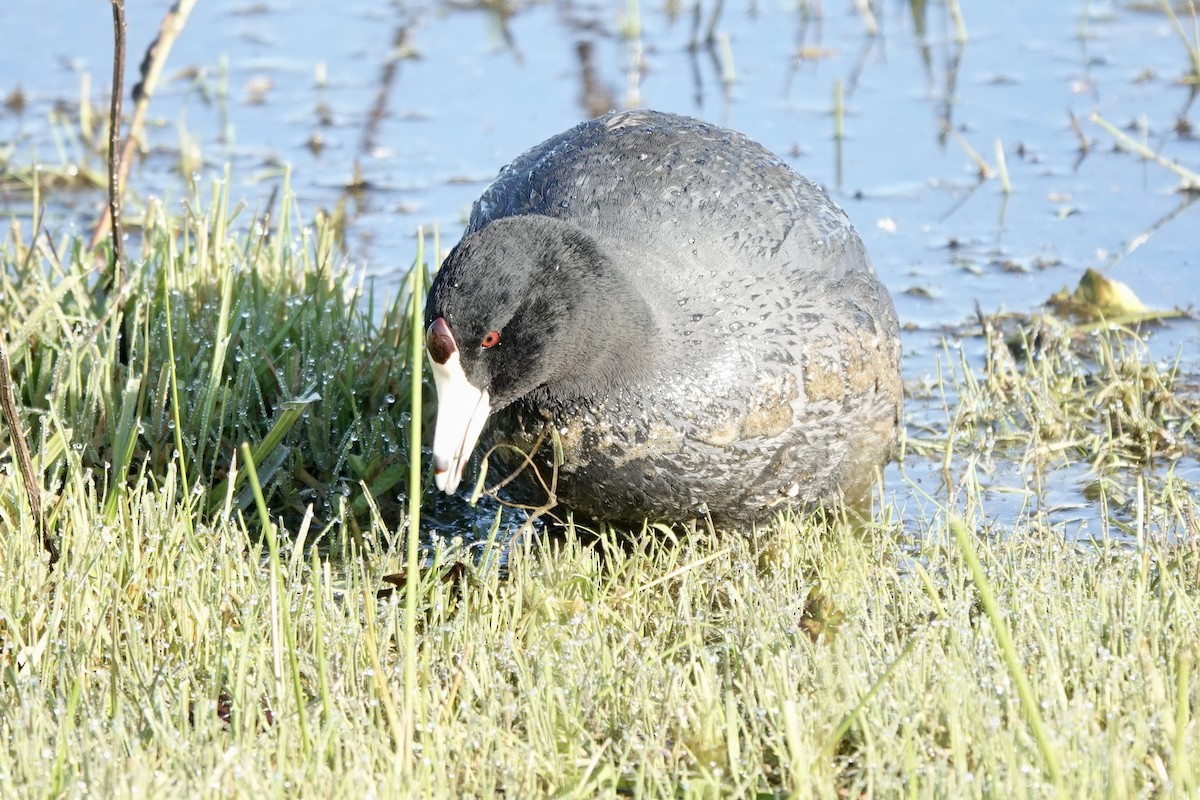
390, 398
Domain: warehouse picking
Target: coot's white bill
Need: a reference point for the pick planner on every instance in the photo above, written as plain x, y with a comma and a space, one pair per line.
462, 410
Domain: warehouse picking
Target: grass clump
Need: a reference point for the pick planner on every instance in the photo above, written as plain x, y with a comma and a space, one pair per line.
1051, 399
224, 340
1099, 397
187, 644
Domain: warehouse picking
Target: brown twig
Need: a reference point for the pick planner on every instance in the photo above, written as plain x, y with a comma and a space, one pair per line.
551, 489
24, 463
114, 144
526, 461
150, 71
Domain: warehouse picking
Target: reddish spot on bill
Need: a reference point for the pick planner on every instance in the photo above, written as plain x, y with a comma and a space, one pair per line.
440, 341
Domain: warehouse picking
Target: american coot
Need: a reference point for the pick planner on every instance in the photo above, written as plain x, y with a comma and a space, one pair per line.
699, 324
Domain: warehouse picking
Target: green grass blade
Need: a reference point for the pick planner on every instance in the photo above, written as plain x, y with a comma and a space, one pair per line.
281, 606
412, 539
124, 442
1008, 651
292, 412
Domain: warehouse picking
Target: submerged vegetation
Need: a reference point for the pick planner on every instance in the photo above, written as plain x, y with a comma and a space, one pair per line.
191, 643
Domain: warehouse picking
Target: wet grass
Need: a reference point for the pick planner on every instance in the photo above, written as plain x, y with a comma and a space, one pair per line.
255, 338
1053, 395
193, 641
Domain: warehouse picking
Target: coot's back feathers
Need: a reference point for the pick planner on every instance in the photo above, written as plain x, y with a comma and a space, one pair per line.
686, 186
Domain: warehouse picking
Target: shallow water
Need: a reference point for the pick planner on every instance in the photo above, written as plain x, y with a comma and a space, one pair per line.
425, 101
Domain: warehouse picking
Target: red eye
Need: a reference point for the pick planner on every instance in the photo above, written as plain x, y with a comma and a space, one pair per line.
490, 339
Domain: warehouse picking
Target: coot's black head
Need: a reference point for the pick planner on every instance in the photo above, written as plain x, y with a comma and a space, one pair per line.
505, 293
505, 317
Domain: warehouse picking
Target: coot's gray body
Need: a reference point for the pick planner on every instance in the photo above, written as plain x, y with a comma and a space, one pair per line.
698, 324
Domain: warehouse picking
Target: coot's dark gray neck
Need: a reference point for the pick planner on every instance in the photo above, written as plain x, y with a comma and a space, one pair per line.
608, 332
